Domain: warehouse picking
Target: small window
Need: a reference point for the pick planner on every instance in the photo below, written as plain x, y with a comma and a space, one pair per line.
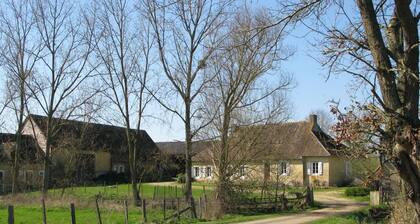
121, 169
242, 170
118, 168
41, 173
315, 168
348, 168
283, 168
208, 171
196, 171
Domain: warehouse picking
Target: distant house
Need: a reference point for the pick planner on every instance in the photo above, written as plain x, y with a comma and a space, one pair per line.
31, 171
174, 152
300, 153
81, 151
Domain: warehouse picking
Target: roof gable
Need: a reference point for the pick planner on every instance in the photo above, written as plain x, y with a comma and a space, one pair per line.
91, 136
292, 140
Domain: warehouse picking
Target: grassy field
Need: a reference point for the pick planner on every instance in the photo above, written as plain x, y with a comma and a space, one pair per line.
28, 206
123, 191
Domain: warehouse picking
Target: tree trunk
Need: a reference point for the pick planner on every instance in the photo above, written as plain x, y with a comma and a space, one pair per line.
409, 172
223, 181
133, 173
188, 166
47, 159
18, 146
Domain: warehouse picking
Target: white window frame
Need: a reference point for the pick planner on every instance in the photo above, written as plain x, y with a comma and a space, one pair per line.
208, 171
118, 168
280, 170
196, 171
242, 171
319, 168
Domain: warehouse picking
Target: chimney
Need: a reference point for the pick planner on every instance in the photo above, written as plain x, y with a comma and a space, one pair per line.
313, 119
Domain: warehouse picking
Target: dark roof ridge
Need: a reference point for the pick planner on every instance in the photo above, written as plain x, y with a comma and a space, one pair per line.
83, 122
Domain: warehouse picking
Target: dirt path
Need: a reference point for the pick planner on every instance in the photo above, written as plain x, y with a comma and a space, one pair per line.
335, 206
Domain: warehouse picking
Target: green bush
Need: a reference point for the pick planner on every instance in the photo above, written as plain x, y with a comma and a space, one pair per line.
180, 178
356, 191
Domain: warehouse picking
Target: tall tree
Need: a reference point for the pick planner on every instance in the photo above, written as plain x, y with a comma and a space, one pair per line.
240, 94
183, 31
379, 46
18, 55
124, 50
66, 36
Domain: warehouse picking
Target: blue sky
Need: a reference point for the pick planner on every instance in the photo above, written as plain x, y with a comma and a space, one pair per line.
312, 91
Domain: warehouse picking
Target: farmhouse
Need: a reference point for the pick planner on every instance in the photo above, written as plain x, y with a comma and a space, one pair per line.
299, 153
31, 169
80, 151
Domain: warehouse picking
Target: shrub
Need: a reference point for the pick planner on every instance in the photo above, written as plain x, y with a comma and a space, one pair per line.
180, 178
112, 178
356, 191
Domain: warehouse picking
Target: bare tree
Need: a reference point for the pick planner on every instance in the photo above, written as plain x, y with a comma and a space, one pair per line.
124, 50
240, 95
184, 30
18, 54
379, 46
66, 36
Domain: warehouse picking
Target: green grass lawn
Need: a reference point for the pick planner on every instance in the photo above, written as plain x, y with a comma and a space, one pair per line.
28, 208
123, 191
25, 215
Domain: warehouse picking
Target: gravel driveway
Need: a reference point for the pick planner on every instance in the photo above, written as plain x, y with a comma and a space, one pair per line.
334, 206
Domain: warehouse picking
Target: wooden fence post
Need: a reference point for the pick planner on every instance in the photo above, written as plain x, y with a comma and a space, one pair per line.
144, 211
44, 212
73, 213
201, 208
164, 205
126, 211
98, 212
177, 207
11, 219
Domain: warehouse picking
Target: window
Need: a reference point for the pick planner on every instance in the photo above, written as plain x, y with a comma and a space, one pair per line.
121, 169
348, 168
314, 168
41, 173
118, 168
208, 171
196, 171
283, 168
242, 171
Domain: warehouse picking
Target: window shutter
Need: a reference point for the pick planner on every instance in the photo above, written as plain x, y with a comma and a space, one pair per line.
320, 166
309, 168
193, 171
287, 168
